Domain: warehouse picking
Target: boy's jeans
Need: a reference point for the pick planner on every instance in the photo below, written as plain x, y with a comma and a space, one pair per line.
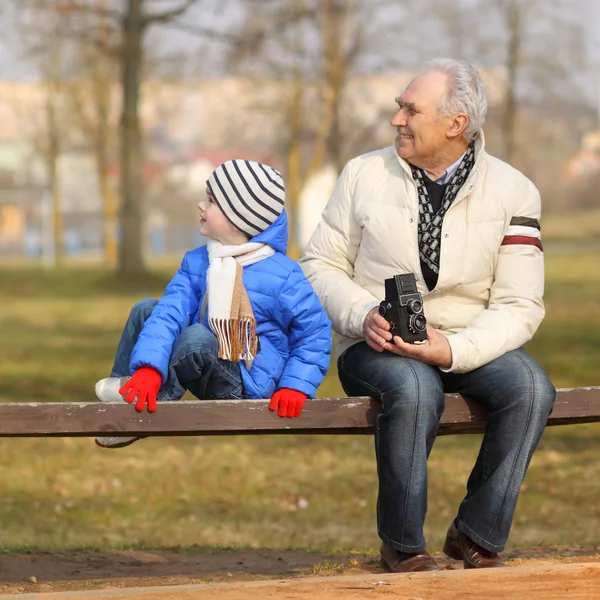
519, 396
194, 363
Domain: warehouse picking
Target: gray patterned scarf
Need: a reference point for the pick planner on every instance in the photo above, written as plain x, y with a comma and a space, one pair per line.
430, 223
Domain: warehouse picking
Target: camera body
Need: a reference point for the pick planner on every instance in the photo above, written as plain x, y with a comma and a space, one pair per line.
403, 308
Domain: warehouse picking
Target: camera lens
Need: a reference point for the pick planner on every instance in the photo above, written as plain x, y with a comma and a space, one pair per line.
414, 306
417, 323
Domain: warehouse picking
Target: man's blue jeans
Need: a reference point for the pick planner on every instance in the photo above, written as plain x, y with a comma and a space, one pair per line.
519, 396
194, 363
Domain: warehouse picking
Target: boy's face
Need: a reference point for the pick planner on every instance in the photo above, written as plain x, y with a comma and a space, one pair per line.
214, 224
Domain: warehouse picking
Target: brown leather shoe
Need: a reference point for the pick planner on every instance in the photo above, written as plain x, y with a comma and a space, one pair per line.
459, 547
394, 561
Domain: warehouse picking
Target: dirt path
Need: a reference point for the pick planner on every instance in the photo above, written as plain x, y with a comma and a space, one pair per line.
258, 574
548, 582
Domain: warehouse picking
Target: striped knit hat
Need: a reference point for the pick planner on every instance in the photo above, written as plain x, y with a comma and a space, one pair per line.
250, 194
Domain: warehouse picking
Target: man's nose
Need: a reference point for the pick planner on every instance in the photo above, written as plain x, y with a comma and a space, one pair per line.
398, 119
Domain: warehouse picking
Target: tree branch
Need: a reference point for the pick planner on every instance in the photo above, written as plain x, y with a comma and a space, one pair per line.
200, 31
168, 15
76, 6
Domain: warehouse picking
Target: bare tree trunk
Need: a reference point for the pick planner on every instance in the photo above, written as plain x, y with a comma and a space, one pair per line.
294, 165
102, 87
296, 120
52, 162
131, 260
514, 30
110, 219
338, 59
108, 198
53, 145
330, 36
334, 32
109, 201
98, 129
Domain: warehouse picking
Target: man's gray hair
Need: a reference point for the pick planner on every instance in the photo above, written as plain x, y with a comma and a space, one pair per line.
466, 93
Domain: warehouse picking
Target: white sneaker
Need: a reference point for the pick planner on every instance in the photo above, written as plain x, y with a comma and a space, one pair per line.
107, 390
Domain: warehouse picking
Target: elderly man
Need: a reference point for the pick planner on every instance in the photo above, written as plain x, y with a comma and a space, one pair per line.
466, 224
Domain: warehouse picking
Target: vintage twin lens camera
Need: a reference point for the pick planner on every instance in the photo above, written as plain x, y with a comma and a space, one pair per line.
403, 308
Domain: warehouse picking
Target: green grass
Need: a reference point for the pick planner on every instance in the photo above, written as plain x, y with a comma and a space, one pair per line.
573, 226
58, 334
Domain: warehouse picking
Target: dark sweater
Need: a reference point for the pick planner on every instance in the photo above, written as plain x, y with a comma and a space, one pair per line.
436, 195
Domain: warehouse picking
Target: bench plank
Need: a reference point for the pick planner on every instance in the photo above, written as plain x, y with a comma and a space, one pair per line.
231, 417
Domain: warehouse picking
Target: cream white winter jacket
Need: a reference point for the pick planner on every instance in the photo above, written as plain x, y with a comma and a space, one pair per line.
488, 299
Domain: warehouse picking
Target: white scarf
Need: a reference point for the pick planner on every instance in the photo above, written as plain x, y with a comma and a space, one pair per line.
230, 314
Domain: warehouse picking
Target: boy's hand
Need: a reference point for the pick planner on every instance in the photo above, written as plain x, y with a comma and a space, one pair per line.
290, 402
144, 384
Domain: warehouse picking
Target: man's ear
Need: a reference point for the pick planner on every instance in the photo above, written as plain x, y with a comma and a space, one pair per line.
458, 124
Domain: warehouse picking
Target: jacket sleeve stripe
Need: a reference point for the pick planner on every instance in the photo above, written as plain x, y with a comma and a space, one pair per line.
525, 221
523, 240
521, 230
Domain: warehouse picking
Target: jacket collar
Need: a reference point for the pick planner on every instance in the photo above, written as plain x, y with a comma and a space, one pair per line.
479, 157
476, 172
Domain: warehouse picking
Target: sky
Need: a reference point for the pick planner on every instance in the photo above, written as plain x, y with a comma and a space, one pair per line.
219, 14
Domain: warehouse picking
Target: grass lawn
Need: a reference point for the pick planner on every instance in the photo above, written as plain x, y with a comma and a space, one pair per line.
575, 227
58, 333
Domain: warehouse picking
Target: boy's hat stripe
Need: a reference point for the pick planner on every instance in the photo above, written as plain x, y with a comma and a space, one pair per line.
230, 212
238, 194
262, 186
247, 184
250, 194
273, 181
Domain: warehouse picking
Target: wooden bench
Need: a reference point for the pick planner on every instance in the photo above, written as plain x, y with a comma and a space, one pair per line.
242, 417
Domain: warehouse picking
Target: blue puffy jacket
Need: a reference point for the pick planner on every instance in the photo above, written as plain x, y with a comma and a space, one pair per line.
293, 329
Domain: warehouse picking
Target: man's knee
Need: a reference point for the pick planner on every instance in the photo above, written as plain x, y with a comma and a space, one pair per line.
393, 380
413, 383
143, 308
532, 387
544, 393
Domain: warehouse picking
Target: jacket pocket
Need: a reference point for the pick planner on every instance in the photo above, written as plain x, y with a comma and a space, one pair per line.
266, 369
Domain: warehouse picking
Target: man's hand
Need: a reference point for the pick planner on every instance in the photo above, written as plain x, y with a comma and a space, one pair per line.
376, 330
434, 351
144, 384
290, 402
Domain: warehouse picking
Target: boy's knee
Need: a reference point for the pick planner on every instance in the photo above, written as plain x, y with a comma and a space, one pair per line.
196, 338
144, 307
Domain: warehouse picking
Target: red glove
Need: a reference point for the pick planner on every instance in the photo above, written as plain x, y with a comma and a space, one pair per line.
290, 402
144, 384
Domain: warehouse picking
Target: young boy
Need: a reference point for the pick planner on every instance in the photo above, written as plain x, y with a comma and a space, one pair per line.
238, 320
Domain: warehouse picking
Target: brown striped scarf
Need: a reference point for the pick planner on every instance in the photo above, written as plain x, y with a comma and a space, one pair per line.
230, 313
